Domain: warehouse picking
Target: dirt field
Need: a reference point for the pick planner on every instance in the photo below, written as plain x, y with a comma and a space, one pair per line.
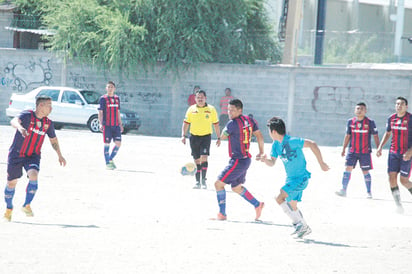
145, 217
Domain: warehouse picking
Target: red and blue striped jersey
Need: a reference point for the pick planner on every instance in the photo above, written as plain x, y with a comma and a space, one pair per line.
110, 106
239, 131
37, 130
401, 128
360, 134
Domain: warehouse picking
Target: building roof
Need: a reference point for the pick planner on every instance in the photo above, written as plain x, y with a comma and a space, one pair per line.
36, 31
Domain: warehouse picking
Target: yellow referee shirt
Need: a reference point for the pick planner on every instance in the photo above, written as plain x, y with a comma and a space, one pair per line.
201, 119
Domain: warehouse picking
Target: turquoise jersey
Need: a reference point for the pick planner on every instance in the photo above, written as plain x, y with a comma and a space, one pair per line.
290, 152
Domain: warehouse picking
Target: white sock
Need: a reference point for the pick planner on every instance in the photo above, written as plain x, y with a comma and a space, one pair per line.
295, 215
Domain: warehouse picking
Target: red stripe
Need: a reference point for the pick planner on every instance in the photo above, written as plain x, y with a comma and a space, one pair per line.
230, 170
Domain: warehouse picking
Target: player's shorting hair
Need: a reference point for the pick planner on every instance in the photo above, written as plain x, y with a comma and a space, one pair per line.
201, 91
403, 99
361, 104
237, 103
111, 83
276, 123
42, 98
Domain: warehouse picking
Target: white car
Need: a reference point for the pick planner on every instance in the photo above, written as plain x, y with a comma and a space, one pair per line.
70, 107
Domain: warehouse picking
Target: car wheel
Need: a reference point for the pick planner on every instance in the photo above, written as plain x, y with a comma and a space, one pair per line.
93, 124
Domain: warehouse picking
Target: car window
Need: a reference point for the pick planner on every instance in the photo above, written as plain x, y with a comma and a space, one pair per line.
91, 97
53, 93
71, 97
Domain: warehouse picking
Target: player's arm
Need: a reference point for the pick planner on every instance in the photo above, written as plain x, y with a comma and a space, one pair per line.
217, 130
385, 139
267, 161
119, 118
346, 140
55, 144
185, 127
376, 139
261, 143
16, 123
100, 117
315, 149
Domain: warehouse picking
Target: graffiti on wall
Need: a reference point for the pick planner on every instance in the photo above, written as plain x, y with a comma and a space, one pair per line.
21, 77
80, 82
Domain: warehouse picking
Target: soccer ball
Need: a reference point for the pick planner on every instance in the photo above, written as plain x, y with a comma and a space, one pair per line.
188, 169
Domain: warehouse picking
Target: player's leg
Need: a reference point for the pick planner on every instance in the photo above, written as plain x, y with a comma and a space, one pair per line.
221, 199
365, 163
117, 137
405, 173
350, 163
32, 167
107, 138
394, 167
14, 171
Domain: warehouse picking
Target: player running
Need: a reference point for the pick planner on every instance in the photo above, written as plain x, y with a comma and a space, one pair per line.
289, 149
31, 128
239, 131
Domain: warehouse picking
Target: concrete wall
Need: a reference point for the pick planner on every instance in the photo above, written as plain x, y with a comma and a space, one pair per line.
315, 101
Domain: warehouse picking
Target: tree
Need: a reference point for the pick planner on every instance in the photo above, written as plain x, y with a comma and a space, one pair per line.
181, 33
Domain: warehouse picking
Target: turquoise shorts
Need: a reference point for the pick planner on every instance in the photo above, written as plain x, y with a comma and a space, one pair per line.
294, 188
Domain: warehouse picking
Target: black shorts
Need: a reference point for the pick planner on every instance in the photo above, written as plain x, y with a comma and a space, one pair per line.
200, 145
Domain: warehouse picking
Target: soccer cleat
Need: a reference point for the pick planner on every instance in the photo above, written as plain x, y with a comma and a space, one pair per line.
7, 214
112, 163
27, 209
259, 210
204, 186
341, 193
303, 231
109, 166
297, 228
221, 217
197, 185
368, 195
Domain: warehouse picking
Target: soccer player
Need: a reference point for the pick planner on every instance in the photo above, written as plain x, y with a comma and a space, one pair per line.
110, 123
289, 149
31, 129
239, 131
359, 130
200, 117
399, 125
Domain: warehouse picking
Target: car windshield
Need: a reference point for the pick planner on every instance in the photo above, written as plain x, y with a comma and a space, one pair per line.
91, 97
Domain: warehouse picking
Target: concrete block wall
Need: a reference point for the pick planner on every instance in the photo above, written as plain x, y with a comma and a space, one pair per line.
314, 101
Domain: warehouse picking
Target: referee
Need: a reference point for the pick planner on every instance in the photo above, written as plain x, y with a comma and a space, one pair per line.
200, 116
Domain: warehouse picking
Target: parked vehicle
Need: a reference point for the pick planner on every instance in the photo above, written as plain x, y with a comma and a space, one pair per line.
71, 106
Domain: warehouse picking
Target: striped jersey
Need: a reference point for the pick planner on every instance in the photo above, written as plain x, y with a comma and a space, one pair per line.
201, 119
401, 128
110, 106
239, 132
360, 132
224, 104
37, 130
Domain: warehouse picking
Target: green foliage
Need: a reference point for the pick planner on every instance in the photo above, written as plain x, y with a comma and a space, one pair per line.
122, 34
356, 49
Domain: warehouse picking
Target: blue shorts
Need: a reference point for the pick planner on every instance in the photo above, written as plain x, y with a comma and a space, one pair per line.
234, 174
365, 160
15, 165
294, 187
398, 165
112, 133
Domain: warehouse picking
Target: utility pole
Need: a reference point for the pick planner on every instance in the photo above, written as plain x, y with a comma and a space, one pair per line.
320, 32
294, 16
399, 18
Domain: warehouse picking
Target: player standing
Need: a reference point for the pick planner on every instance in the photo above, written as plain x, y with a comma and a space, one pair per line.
200, 116
289, 149
399, 125
239, 131
110, 123
359, 131
31, 129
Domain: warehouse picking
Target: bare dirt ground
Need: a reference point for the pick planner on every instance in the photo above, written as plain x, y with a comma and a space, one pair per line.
144, 217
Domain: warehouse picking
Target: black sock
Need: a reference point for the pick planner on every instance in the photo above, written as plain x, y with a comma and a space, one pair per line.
199, 169
204, 170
